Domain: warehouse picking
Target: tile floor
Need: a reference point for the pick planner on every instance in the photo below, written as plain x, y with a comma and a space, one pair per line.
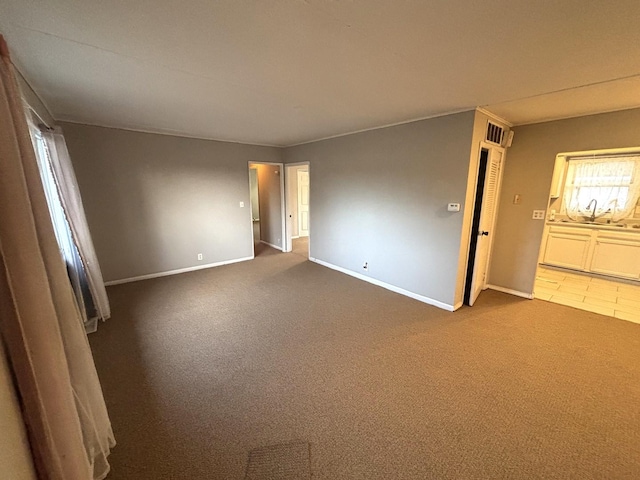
599, 295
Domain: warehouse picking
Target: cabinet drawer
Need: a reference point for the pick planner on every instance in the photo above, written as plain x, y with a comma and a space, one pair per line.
575, 231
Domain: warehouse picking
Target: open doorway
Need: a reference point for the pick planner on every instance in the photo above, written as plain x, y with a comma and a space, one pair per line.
266, 186
298, 209
483, 223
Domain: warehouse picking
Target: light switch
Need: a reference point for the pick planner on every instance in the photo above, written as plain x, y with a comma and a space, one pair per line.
241, 204
516, 199
538, 215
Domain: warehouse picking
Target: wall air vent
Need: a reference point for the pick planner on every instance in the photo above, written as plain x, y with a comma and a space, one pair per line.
495, 134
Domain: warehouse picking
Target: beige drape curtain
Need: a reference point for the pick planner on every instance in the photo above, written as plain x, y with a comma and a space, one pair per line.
72, 204
64, 409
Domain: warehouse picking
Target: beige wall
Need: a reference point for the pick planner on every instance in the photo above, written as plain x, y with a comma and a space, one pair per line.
153, 202
528, 171
15, 455
381, 197
270, 197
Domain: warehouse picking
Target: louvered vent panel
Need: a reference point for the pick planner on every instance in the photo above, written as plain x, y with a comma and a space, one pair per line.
495, 134
492, 188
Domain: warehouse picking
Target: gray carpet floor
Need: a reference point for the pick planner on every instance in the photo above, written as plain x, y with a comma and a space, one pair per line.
201, 369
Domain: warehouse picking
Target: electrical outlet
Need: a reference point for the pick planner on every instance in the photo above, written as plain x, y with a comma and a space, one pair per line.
538, 215
366, 266
199, 256
241, 204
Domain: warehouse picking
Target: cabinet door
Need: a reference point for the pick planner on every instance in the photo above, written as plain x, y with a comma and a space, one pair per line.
567, 248
616, 256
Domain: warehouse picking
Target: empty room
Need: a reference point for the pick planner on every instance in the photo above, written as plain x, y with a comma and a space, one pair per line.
318, 239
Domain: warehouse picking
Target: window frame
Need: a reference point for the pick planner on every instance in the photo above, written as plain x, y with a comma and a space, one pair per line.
606, 155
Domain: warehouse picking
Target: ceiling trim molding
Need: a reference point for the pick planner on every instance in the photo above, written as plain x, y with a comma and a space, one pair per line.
567, 117
404, 122
169, 133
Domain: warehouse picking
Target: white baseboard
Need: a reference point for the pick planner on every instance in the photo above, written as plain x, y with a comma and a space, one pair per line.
176, 272
388, 286
511, 292
271, 245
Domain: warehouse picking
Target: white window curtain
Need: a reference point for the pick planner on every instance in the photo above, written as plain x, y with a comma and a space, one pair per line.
68, 250
72, 231
602, 186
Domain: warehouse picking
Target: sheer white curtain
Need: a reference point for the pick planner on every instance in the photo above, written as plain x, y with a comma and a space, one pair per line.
602, 186
79, 246
67, 246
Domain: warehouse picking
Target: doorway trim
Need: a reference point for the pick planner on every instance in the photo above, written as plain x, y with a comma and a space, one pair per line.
289, 231
282, 203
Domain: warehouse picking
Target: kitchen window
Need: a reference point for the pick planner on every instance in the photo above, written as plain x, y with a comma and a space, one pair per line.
605, 186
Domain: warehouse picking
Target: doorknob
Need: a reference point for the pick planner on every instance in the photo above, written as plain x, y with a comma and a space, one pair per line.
482, 232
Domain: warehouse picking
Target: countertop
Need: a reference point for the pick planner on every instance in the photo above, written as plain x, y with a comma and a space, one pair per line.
599, 226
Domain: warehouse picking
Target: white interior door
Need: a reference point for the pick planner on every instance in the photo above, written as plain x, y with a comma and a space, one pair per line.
487, 222
303, 203
291, 205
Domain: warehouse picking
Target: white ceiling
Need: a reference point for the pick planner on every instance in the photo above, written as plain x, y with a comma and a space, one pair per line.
282, 72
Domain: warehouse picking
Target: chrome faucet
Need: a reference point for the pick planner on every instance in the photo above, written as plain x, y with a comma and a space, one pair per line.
592, 218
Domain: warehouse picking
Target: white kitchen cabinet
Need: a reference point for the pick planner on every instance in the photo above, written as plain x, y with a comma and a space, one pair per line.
616, 254
567, 247
590, 249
